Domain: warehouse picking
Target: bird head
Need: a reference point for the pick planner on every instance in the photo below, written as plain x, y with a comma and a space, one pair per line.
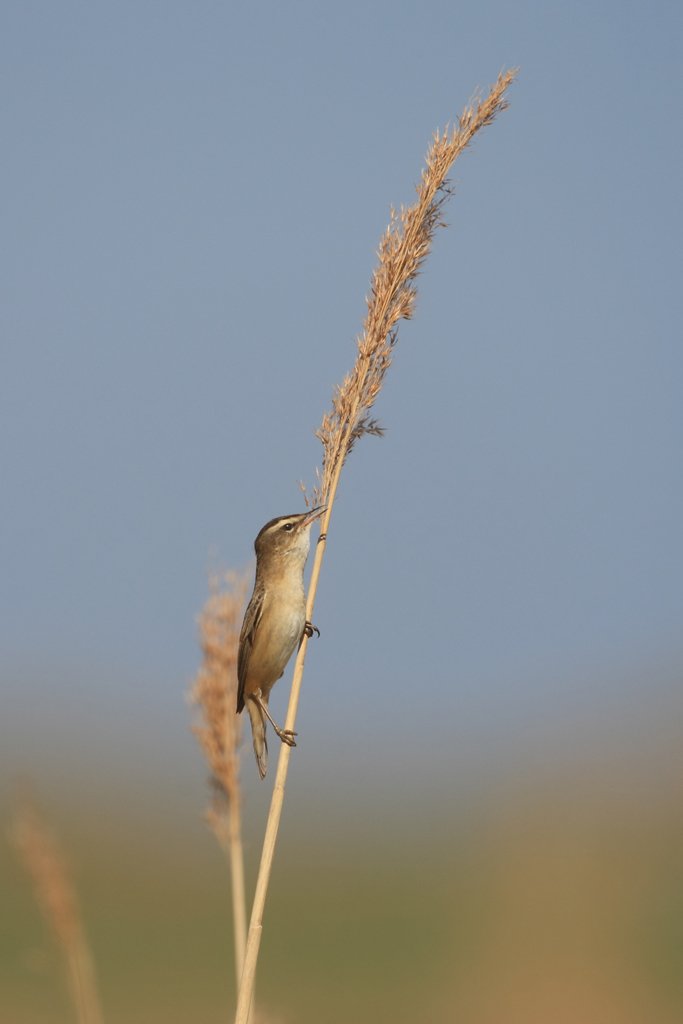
287, 536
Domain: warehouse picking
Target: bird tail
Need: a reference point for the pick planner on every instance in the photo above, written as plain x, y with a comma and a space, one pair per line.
258, 731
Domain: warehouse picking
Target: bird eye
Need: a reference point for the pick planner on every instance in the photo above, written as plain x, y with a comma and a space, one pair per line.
288, 526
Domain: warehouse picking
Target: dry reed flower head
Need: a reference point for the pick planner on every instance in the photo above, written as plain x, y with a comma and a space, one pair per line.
214, 690
40, 853
402, 251
42, 857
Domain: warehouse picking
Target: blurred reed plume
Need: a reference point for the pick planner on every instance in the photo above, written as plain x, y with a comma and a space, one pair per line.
214, 691
39, 852
402, 251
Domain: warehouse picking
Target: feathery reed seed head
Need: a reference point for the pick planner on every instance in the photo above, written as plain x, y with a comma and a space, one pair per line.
402, 251
39, 852
214, 690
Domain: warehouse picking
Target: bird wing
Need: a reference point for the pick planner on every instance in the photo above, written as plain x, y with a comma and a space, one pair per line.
252, 617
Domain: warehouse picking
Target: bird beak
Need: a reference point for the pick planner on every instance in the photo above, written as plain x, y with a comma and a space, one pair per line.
314, 514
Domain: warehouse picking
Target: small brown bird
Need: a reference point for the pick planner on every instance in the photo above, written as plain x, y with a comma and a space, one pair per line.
274, 622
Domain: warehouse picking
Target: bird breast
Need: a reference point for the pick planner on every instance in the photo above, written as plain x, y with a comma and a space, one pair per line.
280, 629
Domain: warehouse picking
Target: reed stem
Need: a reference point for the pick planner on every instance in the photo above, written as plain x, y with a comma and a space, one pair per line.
268, 852
403, 249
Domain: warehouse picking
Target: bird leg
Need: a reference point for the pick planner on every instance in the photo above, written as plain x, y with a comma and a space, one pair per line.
286, 735
310, 629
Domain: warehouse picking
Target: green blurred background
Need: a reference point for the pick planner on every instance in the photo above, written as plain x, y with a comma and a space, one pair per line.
554, 891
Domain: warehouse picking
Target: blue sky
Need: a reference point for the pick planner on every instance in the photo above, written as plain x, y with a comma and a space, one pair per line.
192, 197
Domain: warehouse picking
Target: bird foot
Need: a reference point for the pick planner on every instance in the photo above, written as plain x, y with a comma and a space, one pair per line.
287, 736
310, 629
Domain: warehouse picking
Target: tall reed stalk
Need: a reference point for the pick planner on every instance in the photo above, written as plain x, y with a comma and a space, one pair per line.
214, 691
402, 251
42, 857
